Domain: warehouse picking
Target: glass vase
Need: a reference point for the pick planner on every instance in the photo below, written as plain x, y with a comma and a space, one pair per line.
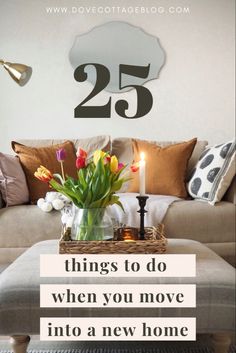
92, 224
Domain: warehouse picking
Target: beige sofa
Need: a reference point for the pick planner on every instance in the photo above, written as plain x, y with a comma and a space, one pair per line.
24, 225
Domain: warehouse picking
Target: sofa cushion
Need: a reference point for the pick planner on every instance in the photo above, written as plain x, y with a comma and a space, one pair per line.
184, 219
213, 173
230, 195
22, 226
3, 267
13, 184
166, 167
198, 220
31, 158
89, 144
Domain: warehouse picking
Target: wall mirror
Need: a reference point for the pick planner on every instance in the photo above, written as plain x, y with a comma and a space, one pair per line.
115, 43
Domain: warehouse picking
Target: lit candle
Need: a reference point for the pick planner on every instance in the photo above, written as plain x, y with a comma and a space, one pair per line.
142, 166
128, 234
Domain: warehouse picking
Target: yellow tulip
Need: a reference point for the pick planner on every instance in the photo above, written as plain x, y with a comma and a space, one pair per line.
114, 164
43, 174
98, 155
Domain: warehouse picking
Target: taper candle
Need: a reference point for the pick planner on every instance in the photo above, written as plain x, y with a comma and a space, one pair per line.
142, 167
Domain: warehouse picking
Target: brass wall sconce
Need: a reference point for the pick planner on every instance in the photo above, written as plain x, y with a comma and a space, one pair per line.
19, 72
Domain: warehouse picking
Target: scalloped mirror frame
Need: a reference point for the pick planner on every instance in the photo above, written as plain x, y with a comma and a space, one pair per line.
115, 43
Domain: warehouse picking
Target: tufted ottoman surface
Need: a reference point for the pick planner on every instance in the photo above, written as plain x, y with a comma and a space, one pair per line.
19, 291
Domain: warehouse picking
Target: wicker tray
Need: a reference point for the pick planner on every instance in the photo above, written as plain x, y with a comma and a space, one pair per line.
154, 243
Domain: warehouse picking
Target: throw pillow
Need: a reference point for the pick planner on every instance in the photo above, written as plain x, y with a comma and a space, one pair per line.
31, 158
213, 173
12, 181
166, 167
89, 144
122, 147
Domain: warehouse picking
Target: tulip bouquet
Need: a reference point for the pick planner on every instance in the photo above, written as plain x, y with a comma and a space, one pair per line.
98, 180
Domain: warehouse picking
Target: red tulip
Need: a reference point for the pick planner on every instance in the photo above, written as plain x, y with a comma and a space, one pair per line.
81, 153
80, 162
107, 159
134, 167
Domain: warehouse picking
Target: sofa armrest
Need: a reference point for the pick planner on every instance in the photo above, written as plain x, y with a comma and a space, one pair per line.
230, 195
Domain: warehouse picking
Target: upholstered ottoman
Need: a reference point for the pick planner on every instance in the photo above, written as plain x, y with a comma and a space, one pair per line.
20, 310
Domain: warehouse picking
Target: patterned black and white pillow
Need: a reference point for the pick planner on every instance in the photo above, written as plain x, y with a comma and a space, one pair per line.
213, 173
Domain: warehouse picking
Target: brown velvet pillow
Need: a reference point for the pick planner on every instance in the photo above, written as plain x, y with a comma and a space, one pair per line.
31, 158
165, 167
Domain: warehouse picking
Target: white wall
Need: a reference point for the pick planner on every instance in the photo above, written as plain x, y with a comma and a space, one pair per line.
194, 95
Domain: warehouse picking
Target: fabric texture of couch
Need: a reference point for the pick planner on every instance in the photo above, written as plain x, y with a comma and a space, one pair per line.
24, 225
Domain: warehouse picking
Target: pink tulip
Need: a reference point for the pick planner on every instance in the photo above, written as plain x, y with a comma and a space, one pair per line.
120, 166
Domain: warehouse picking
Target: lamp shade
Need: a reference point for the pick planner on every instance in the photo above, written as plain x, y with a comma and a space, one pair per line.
19, 72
